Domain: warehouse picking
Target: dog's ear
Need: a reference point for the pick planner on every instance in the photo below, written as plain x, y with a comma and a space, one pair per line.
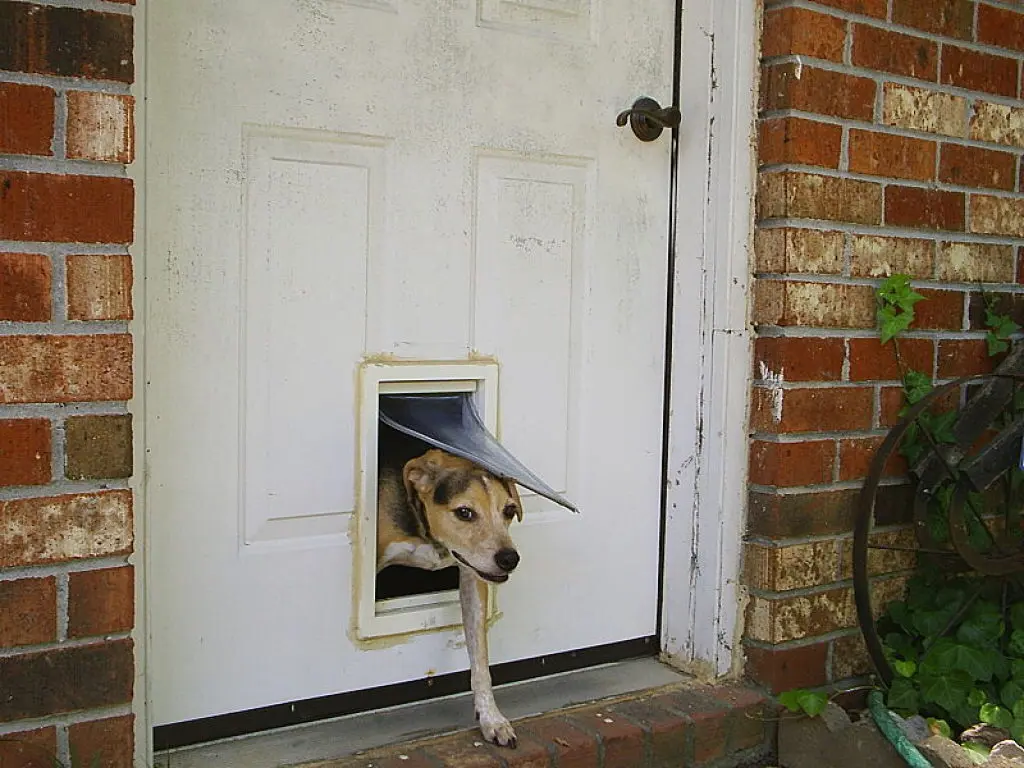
419, 476
513, 491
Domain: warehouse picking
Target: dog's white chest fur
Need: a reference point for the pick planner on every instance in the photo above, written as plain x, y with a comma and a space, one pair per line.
414, 554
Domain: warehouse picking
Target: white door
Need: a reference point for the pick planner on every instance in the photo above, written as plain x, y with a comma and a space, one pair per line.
336, 181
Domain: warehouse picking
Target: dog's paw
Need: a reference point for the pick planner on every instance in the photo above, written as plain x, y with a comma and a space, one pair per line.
497, 730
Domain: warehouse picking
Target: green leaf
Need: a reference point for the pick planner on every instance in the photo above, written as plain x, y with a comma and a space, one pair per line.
1011, 693
981, 628
1018, 711
791, 700
995, 344
948, 691
941, 727
995, 715
977, 698
976, 662
896, 300
1017, 620
813, 703
1017, 731
1016, 645
978, 753
915, 386
1017, 670
903, 696
904, 668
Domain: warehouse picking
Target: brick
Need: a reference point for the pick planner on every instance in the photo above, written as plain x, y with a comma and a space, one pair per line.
821, 513
101, 602
66, 680
887, 51
67, 42
975, 167
872, 360
25, 452
963, 357
798, 359
787, 86
1001, 27
795, 140
874, 256
109, 742
26, 119
974, 262
951, 18
817, 305
81, 209
623, 740
924, 208
978, 71
876, 8
884, 561
797, 617
894, 504
65, 369
997, 215
791, 464
1011, 304
752, 722
941, 310
849, 657
25, 278
668, 734
98, 447
856, 455
779, 569
808, 196
783, 669
54, 529
528, 753
811, 410
892, 402
998, 123
573, 747
919, 109
710, 737
882, 154
28, 611
464, 749
798, 250
100, 127
29, 749
789, 31
99, 287
884, 591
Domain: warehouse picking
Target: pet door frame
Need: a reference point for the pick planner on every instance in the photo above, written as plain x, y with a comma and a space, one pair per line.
432, 610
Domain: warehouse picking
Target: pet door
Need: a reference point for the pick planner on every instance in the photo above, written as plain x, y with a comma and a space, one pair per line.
407, 409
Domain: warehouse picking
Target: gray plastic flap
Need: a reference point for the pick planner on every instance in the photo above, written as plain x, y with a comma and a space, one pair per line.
451, 422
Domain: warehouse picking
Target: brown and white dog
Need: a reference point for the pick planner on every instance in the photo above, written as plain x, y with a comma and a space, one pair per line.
441, 510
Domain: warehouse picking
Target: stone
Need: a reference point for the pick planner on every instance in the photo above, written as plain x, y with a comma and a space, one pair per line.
945, 753
914, 728
803, 741
1009, 750
988, 735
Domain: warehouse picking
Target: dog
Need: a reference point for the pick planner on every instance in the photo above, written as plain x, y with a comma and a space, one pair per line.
440, 510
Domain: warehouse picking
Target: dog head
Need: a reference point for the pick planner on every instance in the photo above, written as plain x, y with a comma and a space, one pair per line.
466, 509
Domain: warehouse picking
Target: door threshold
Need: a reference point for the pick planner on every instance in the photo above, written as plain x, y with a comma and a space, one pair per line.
344, 736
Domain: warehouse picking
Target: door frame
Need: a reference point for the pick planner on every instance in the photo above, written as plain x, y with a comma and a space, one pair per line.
706, 446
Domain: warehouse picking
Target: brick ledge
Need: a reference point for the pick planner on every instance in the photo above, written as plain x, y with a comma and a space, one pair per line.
671, 726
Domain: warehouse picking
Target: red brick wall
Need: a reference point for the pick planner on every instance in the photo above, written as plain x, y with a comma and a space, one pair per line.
891, 133
66, 219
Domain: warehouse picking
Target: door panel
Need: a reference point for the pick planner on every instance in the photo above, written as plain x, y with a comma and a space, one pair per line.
334, 181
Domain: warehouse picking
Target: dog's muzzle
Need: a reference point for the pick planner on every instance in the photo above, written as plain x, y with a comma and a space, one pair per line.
496, 578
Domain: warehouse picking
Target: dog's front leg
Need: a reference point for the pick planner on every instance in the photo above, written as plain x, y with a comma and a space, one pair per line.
473, 596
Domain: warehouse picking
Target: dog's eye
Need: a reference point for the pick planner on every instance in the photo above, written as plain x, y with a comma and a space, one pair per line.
510, 511
464, 513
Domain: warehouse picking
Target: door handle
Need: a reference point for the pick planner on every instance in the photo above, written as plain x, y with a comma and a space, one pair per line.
648, 118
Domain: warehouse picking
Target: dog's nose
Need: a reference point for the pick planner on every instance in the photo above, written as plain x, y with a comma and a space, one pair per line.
507, 559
